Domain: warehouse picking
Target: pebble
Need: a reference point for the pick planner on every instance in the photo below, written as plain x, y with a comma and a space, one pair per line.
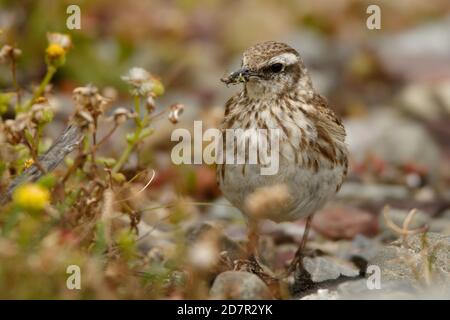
326, 268
239, 285
344, 222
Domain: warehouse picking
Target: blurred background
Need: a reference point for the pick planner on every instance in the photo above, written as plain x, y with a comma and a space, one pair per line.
391, 87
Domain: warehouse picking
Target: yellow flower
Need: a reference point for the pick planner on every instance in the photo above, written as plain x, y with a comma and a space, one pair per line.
31, 197
27, 163
55, 51
61, 39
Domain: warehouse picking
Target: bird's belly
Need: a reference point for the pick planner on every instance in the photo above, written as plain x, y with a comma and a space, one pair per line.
308, 190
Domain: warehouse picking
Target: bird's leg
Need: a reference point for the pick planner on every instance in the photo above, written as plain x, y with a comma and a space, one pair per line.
253, 239
298, 258
250, 262
253, 263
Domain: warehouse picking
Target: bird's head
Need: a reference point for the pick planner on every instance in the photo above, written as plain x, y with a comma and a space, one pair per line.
271, 69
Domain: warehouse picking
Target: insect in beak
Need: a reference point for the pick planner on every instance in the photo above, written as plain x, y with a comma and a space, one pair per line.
241, 75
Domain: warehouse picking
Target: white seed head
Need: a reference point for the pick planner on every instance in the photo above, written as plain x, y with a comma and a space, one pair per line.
203, 255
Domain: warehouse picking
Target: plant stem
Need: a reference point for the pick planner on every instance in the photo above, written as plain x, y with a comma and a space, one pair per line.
135, 140
137, 109
34, 154
123, 158
48, 76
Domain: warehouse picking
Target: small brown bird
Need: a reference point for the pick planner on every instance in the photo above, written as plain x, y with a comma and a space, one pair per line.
278, 94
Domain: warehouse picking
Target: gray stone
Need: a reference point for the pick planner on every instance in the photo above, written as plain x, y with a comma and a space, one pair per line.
419, 101
427, 101
371, 192
238, 285
388, 135
358, 289
410, 263
420, 53
322, 294
326, 268
390, 290
441, 223
363, 247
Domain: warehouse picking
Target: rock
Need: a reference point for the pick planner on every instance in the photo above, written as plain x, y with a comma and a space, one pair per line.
422, 53
398, 216
371, 192
390, 290
322, 294
358, 289
361, 251
326, 268
418, 100
344, 222
389, 136
426, 101
360, 246
155, 243
441, 252
238, 285
411, 264
441, 224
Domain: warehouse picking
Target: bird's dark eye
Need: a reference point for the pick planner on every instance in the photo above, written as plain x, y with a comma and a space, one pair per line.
276, 67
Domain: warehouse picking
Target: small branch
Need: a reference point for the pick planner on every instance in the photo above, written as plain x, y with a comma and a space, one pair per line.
404, 231
104, 139
65, 144
34, 156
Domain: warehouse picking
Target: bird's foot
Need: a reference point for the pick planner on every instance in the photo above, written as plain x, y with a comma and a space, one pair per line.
297, 263
253, 265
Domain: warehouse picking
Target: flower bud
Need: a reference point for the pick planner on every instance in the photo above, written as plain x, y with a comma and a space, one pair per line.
175, 111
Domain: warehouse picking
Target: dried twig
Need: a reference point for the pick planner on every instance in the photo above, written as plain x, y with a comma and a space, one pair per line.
65, 144
404, 231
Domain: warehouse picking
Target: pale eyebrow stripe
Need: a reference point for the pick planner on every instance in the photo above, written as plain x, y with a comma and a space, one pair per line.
286, 58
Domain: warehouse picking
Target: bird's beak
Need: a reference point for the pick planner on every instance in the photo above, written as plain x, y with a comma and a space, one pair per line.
241, 75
